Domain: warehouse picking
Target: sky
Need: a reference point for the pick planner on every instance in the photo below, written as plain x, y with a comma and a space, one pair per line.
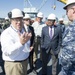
8, 5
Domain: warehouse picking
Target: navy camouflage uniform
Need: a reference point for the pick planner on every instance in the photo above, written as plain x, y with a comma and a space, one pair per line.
67, 57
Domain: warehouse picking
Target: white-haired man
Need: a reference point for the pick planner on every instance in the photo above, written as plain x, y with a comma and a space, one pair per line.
15, 45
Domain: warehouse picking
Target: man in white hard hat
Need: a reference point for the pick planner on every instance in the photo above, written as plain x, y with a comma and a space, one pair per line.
29, 28
61, 19
50, 44
15, 45
37, 25
62, 25
67, 57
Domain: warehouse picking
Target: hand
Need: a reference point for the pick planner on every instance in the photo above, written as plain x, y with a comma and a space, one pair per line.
24, 37
31, 48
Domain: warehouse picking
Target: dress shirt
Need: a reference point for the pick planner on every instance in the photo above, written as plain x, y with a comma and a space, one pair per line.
26, 27
12, 49
38, 27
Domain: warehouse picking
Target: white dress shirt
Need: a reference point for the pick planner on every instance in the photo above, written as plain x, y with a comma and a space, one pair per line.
38, 27
26, 27
12, 49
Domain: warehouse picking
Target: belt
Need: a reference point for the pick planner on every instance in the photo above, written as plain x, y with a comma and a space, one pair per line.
17, 60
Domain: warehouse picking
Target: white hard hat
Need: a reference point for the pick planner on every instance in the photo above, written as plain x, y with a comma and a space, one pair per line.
52, 16
69, 2
61, 19
40, 14
16, 13
26, 16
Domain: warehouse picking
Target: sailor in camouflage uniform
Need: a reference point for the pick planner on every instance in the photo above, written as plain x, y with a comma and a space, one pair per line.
67, 57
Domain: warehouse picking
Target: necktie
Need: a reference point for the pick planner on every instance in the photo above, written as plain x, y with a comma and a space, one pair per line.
51, 32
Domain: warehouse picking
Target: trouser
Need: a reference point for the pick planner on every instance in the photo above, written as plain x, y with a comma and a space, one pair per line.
31, 59
1, 60
45, 57
36, 48
16, 68
54, 63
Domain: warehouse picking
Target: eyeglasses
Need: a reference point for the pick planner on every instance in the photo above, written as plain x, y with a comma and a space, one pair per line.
71, 9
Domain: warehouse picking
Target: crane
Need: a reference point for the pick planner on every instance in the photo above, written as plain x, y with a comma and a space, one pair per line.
32, 10
62, 1
42, 4
28, 7
28, 3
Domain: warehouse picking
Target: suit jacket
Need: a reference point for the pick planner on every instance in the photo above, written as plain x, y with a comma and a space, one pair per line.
31, 29
54, 43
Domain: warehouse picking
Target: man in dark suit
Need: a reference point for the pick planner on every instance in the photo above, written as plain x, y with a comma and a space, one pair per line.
28, 29
50, 44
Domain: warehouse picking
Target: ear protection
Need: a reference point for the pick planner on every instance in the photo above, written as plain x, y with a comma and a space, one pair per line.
10, 14
23, 13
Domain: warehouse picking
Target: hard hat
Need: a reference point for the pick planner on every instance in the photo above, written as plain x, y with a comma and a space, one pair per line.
16, 13
40, 14
52, 16
69, 2
61, 19
26, 16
